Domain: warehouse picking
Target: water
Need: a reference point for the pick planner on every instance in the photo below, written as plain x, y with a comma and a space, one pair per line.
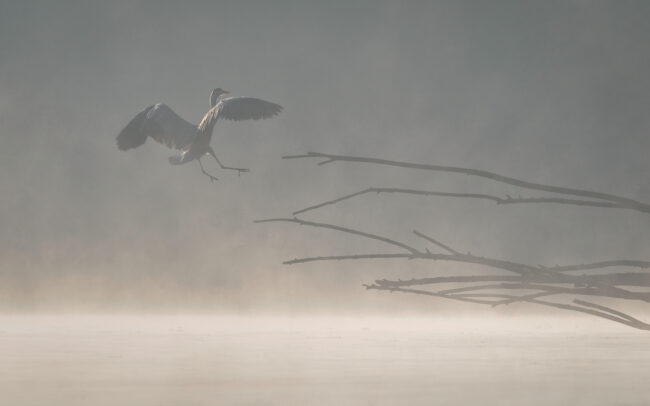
240, 360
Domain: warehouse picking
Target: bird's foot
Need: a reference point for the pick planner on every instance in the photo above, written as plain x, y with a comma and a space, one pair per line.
239, 170
212, 178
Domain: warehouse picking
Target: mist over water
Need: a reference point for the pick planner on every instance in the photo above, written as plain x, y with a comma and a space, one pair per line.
125, 280
315, 360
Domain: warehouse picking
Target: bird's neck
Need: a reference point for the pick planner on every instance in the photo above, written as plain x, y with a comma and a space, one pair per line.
214, 99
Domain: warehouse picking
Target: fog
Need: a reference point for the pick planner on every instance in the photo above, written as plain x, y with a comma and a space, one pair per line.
190, 360
554, 92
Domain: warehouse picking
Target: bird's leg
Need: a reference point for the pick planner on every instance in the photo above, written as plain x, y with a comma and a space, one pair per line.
239, 170
212, 178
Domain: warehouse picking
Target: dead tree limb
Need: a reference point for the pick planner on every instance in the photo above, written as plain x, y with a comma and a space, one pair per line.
614, 279
604, 264
345, 230
496, 199
523, 283
602, 312
543, 280
622, 202
530, 273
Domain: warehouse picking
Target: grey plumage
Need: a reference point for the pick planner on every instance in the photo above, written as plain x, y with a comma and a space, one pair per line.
132, 136
246, 108
238, 109
162, 124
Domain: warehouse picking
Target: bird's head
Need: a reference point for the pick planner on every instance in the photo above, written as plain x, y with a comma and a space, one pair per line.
214, 96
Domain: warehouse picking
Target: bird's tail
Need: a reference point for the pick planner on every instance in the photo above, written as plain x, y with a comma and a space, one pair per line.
133, 135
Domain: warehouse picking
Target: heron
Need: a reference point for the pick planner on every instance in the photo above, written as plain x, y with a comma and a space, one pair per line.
162, 124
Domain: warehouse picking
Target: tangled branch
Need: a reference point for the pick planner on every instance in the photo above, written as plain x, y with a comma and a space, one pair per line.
541, 285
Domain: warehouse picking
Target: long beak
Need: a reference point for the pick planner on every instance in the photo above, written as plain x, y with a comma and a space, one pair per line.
225, 92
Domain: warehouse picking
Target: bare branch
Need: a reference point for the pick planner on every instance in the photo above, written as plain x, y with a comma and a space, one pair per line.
470, 289
623, 320
467, 258
436, 242
606, 309
448, 279
522, 298
427, 293
609, 315
623, 201
496, 199
603, 264
295, 213
615, 279
609, 291
342, 229
530, 284
348, 257
530, 277
522, 269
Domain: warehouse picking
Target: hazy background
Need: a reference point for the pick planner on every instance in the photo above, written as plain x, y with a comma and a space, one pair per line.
555, 92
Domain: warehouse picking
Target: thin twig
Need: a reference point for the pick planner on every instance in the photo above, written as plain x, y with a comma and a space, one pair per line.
436, 242
518, 268
522, 298
603, 264
342, 229
606, 309
626, 321
496, 199
348, 257
427, 293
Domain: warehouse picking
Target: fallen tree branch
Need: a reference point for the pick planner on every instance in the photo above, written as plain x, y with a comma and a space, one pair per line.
614, 279
541, 279
622, 202
586, 307
607, 291
413, 253
525, 283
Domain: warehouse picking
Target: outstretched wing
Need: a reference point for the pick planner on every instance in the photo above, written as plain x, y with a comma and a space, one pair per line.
160, 123
240, 108
246, 108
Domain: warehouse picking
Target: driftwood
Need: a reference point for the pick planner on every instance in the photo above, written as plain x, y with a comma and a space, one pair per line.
523, 283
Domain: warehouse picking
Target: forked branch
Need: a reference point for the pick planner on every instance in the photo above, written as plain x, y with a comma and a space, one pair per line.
533, 282
523, 282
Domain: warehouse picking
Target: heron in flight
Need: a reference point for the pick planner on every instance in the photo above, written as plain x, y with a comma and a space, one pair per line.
166, 127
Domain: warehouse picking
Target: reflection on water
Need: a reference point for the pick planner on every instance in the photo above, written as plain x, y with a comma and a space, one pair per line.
210, 360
